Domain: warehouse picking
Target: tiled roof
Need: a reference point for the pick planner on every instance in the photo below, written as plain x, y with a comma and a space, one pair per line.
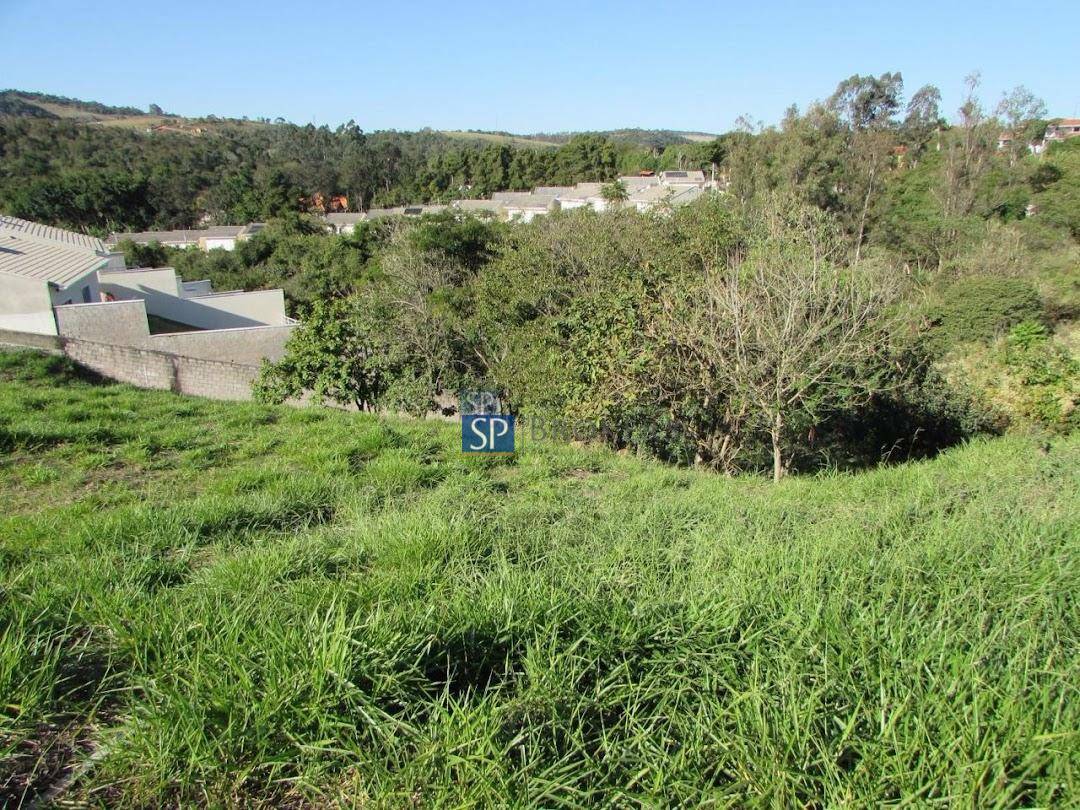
32, 258
47, 233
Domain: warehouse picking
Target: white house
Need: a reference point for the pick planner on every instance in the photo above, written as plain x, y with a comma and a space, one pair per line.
581, 195
344, 222
42, 267
524, 206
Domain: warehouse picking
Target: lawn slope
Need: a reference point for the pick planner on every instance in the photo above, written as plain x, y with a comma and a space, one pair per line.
218, 604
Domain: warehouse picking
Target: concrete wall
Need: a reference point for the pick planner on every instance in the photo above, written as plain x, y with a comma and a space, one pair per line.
247, 346
161, 289
122, 322
146, 368
31, 340
258, 308
26, 305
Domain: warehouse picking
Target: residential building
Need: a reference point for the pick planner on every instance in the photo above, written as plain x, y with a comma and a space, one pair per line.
42, 267
56, 282
223, 237
1062, 128
344, 223
525, 206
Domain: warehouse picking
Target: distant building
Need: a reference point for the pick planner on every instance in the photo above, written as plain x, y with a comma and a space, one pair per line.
344, 223
219, 237
1062, 129
524, 207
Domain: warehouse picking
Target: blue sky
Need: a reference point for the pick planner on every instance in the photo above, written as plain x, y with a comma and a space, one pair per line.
527, 66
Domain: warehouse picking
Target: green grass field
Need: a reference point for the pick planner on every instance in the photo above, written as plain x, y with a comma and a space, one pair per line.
231, 604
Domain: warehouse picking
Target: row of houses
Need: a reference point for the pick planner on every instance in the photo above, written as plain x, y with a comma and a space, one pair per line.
56, 282
643, 193
1060, 129
219, 237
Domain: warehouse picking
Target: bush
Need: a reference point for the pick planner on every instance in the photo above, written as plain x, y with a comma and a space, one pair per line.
979, 309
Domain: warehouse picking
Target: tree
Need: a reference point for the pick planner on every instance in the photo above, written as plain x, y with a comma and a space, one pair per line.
780, 334
866, 101
614, 193
923, 114
1020, 111
339, 353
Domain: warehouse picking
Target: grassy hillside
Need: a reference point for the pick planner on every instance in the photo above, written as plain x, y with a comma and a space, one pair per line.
218, 603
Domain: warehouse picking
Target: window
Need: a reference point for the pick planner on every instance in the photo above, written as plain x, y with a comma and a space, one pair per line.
86, 295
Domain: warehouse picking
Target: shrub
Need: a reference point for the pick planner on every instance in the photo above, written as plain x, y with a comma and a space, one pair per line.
980, 308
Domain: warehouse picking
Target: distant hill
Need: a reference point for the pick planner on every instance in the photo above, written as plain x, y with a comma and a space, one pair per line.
43, 105
652, 138
27, 104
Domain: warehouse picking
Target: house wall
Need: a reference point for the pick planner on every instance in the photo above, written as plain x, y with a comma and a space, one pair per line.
217, 242
122, 322
26, 305
81, 291
233, 309
247, 346
161, 290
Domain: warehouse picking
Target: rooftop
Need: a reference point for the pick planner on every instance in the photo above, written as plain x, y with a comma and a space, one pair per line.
46, 233
50, 254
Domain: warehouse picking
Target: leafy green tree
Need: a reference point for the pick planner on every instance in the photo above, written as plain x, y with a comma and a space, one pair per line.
614, 193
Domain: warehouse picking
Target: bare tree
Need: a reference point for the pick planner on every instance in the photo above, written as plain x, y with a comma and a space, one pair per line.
782, 333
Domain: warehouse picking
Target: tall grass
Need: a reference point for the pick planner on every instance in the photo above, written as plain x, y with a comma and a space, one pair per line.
236, 604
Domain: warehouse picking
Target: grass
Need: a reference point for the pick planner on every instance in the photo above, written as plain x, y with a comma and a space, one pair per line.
231, 604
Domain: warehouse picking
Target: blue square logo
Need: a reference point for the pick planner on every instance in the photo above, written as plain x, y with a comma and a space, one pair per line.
487, 433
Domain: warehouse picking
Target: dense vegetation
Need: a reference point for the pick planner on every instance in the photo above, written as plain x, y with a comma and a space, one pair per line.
106, 178
236, 604
859, 293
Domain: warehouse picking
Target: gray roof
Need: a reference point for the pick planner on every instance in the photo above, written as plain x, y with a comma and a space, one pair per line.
679, 177
47, 233
345, 217
186, 236
582, 191
382, 213
478, 205
37, 251
634, 182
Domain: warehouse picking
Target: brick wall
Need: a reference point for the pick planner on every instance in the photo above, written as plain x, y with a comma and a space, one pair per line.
147, 368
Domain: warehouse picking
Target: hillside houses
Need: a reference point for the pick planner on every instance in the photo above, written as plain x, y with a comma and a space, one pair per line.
220, 237
644, 193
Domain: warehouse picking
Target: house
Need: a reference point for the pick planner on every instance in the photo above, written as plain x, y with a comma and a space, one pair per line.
663, 197
223, 237
1062, 128
344, 223
525, 206
42, 267
56, 282
582, 195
